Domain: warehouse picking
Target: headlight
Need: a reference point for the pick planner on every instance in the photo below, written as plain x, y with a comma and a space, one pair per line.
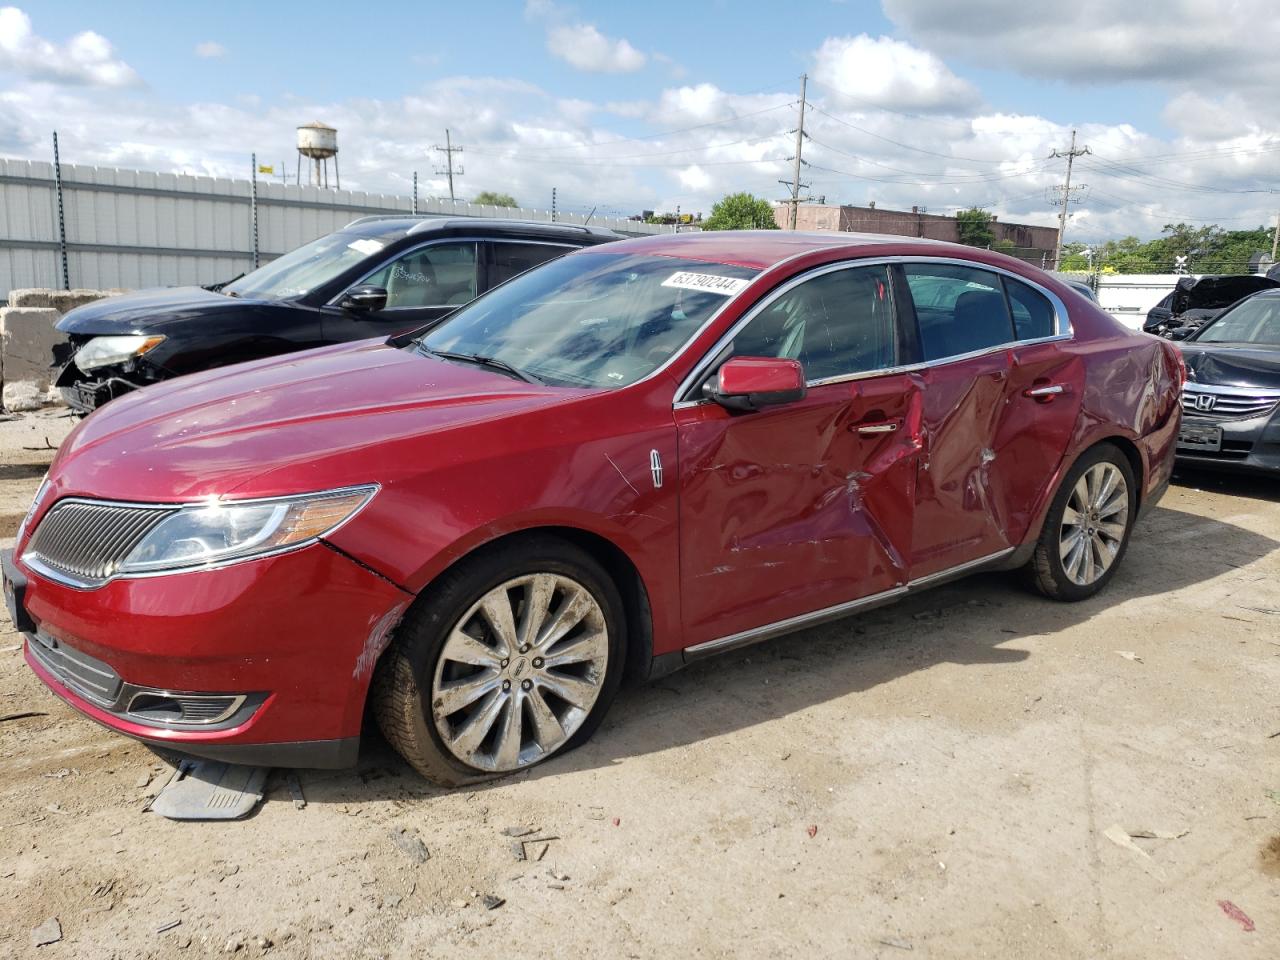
204, 534
104, 351
35, 505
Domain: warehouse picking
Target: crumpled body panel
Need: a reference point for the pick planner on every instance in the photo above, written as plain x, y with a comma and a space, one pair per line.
798, 507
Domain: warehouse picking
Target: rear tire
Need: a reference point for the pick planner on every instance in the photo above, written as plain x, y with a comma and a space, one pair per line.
511, 657
1086, 531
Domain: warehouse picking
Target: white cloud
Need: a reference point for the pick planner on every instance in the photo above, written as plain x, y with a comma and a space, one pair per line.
1098, 41
86, 59
880, 71
210, 49
582, 46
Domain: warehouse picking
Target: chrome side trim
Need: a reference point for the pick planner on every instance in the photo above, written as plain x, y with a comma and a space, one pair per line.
770, 630
959, 570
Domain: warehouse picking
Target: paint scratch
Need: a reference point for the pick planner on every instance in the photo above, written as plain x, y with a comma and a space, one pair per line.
622, 475
377, 641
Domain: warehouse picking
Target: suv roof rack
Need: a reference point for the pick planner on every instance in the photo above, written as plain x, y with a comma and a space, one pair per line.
439, 222
373, 218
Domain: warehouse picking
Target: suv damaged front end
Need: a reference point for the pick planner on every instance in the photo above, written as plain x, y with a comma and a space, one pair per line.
95, 369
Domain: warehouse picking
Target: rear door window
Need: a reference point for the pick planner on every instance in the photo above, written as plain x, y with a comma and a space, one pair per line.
959, 310
509, 260
1033, 316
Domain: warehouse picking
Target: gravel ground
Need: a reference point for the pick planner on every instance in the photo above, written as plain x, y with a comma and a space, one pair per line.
966, 774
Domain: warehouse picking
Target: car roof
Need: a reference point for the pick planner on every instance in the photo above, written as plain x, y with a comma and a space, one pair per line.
403, 225
761, 249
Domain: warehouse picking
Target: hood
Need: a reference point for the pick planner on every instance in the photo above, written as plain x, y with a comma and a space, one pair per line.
211, 433
1216, 293
147, 311
1232, 365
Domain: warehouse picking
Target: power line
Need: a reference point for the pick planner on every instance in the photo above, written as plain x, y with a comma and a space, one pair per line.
794, 183
449, 150
1071, 154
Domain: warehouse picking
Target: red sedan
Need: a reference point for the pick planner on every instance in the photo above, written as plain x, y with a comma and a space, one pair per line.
632, 457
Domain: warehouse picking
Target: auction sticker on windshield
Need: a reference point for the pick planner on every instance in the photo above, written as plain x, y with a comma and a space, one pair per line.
366, 246
706, 282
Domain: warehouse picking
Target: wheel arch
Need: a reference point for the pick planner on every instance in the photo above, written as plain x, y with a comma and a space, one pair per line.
616, 562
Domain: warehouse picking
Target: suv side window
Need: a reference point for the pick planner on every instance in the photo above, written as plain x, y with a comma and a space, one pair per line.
836, 324
510, 259
440, 275
1033, 315
959, 310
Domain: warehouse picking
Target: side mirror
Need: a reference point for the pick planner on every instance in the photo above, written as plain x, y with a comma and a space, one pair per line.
364, 297
1181, 333
748, 383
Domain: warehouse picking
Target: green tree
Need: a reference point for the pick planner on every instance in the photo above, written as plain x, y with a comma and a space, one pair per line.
741, 211
495, 199
974, 226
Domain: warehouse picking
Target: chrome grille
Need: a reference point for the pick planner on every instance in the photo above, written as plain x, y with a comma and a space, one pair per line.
91, 678
1224, 405
88, 541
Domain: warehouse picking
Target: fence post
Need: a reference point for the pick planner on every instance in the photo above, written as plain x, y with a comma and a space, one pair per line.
253, 205
62, 220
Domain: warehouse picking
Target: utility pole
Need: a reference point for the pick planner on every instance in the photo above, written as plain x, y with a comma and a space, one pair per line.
1071, 154
794, 183
1275, 238
449, 150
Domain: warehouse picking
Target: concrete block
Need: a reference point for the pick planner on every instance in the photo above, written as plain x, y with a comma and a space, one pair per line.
27, 337
62, 300
23, 395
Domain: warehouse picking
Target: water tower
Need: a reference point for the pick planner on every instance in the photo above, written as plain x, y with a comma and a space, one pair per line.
318, 142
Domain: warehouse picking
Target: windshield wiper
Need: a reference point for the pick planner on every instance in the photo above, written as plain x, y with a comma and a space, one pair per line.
493, 363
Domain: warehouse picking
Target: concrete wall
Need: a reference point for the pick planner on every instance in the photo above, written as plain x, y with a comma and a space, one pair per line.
134, 228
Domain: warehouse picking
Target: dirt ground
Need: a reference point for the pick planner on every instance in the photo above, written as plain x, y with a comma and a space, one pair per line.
942, 778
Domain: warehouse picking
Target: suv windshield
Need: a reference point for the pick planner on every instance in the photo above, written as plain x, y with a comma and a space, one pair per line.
590, 319
306, 268
1256, 320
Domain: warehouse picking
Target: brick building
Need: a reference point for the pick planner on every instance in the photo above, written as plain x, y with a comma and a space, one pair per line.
1030, 241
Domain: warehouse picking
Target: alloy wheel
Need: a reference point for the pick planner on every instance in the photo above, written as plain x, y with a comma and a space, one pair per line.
520, 672
1094, 522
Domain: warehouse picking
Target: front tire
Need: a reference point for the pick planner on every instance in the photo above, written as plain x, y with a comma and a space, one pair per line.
1086, 531
513, 657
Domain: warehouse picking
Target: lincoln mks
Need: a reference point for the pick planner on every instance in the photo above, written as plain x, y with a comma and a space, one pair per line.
627, 459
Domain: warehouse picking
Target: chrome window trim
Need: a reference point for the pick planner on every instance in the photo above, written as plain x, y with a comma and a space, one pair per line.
814, 617
1062, 324
435, 242
34, 563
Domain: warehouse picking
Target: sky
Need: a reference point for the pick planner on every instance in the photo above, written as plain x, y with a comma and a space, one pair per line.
654, 106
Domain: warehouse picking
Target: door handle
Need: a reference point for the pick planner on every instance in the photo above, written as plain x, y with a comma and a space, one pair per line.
870, 429
1046, 392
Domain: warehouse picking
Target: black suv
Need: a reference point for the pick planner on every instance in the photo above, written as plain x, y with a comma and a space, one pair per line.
376, 277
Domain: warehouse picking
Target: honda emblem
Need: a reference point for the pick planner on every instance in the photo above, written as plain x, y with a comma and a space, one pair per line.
1205, 401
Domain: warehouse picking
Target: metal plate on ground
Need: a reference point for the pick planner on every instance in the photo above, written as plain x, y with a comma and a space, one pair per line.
1203, 438
210, 790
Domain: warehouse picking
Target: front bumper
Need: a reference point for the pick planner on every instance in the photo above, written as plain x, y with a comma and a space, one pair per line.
265, 662
1248, 446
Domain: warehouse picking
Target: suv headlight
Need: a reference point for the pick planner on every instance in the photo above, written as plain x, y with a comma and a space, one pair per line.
204, 534
104, 351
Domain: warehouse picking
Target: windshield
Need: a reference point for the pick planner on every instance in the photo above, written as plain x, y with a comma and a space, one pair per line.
591, 319
1256, 320
306, 268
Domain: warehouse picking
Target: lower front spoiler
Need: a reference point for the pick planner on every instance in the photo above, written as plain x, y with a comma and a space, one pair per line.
317, 754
